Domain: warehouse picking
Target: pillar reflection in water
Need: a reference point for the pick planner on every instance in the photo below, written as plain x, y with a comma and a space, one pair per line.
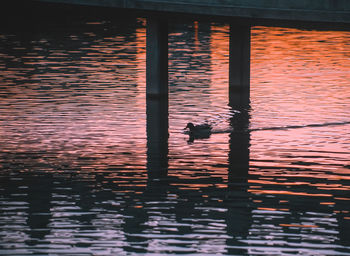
157, 138
39, 205
239, 216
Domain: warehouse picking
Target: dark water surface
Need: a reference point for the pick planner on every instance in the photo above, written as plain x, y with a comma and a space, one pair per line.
73, 144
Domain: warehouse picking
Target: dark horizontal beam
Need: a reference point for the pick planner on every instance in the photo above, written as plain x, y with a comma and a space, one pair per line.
325, 11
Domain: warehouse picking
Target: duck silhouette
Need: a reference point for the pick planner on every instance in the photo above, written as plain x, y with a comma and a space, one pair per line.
200, 131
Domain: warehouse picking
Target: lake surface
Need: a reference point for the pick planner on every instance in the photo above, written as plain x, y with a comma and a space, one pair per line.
78, 176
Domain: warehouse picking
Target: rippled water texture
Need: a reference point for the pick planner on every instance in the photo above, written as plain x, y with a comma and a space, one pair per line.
73, 143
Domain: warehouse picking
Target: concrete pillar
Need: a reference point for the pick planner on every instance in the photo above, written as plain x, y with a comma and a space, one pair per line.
239, 63
157, 57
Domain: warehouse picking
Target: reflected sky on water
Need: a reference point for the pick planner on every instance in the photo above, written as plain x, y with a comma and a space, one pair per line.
79, 177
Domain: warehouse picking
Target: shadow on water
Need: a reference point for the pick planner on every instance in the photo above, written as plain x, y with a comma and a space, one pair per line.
239, 219
157, 138
92, 203
36, 204
39, 205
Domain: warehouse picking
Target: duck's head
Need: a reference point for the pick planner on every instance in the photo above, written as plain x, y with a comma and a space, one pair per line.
190, 126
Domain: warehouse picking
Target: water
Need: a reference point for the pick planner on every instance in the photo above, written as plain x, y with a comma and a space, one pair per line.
76, 175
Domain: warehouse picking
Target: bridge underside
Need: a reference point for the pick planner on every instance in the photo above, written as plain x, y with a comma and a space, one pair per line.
325, 11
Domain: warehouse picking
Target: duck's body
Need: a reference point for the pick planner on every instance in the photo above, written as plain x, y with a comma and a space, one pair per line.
199, 127
199, 131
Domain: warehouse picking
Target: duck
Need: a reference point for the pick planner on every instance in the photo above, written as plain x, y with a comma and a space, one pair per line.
199, 131
198, 128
